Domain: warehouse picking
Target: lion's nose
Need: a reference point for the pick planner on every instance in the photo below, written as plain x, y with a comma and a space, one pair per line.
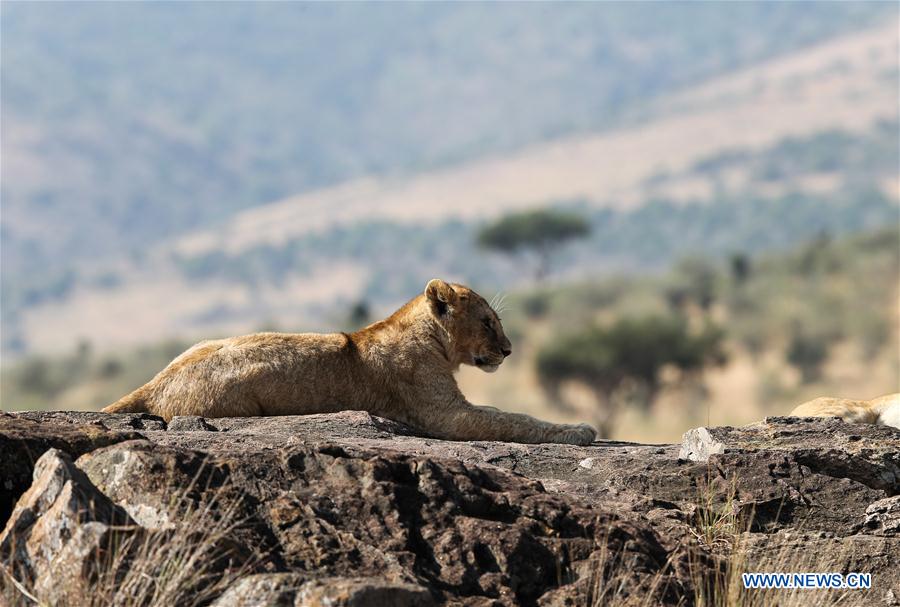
506, 351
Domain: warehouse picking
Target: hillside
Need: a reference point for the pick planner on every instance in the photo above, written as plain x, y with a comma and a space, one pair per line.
847, 83
822, 156
125, 123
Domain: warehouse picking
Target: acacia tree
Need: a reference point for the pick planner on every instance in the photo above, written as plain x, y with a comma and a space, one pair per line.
622, 361
542, 232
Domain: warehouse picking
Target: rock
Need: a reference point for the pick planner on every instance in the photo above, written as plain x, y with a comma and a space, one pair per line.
263, 590
25, 436
359, 423
361, 592
58, 530
811, 552
698, 444
822, 472
190, 423
352, 509
866, 453
153, 485
883, 517
292, 590
109, 421
324, 511
71, 574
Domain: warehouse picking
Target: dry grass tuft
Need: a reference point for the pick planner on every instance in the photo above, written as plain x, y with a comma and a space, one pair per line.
723, 548
188, 565
723, 534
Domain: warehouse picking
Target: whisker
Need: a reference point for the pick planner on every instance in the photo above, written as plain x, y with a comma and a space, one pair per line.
502, 303
498, 301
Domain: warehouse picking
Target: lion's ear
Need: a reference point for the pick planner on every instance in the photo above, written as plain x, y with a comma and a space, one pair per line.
441, 295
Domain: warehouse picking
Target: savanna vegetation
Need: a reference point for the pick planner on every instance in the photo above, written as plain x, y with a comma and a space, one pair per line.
623, 361
646, 238
859, 157
819, 319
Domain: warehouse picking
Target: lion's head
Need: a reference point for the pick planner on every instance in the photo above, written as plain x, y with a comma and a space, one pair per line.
474, 328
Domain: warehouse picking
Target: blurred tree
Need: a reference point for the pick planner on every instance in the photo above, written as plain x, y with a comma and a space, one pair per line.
807, 352
536, 304
541, 231
77, 364
695, 282
360, 314
623, 361
754, 339
873, 333
34, 376
818, 256
84, 348
110, 368
739, 264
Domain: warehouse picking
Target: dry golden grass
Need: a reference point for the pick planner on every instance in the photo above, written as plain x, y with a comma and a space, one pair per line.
717, 560
727, 589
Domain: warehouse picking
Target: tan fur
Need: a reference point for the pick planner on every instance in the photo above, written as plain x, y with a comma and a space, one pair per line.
882, 410
400, 368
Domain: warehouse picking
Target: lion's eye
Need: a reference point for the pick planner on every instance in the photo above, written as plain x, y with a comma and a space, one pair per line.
486, 322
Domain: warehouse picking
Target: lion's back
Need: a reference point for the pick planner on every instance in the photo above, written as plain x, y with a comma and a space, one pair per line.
249, 375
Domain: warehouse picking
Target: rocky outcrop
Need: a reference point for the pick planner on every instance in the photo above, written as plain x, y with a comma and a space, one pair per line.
350, 509
59, 530
24, 437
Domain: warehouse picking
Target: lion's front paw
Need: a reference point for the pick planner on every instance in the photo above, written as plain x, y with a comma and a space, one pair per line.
576, 434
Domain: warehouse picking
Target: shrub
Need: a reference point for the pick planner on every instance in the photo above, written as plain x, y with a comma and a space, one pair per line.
807, 352
628, 355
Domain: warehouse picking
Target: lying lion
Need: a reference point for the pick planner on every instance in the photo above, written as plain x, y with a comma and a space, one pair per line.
400, 368
884, 410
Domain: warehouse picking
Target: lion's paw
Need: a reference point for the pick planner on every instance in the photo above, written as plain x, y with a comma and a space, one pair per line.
576, 434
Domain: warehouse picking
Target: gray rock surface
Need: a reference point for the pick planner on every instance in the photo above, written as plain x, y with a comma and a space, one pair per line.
294, 590
24, 437
883, 517
57, 529
352, 509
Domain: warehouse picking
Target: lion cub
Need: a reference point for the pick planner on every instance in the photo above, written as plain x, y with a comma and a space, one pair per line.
400, 368
884, 410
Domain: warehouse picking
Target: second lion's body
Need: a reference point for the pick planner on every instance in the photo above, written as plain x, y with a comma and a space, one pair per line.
882, 410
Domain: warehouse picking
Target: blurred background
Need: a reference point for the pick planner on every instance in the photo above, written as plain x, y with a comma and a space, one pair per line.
691, 210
